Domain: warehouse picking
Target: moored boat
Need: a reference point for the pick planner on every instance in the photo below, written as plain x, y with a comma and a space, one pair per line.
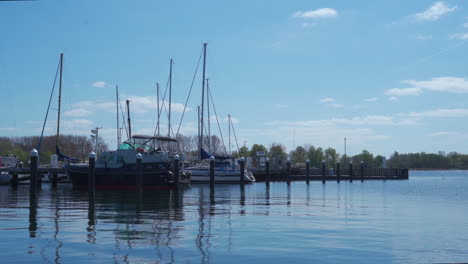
117, 169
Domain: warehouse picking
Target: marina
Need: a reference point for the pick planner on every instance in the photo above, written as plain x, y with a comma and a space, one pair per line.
359, 222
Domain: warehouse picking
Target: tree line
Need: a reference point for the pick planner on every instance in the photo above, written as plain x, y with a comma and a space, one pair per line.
73, 146
80, 146
278, 157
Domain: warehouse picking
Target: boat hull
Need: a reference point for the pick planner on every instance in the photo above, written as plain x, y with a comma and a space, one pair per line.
220, 176
122, 178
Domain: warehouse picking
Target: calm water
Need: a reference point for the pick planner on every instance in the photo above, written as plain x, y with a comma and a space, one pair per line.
422, 220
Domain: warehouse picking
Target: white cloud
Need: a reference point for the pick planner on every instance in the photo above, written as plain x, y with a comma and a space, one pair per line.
423, 37
7, 129
234, 120
465, 25
143, 104
77, 112
100, 84
331, 102
307, 25
327, 100
316, 14
394, 92
281, 106
461, 36
456, 112
441, 84
373, 120
434, 12
372, 99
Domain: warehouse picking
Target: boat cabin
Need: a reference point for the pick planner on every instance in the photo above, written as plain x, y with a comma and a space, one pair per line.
143, 143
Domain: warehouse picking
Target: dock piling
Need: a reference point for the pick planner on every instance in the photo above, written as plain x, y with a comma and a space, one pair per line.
139, 174
307, 171
288, 171
212, 170
14, 180
362, 171
242, 170
338, 172
34, 156
176, 171
323, 171
92, 175
351, 172
267, 170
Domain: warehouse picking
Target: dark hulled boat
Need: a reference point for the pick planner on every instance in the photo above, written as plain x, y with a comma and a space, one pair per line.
117, 169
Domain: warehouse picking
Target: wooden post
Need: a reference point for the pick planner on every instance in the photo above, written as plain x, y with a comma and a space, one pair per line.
34, 156
242, 168
92, 175
351, 172
212, 172
139, 173
362, 170
176, 171
288, 171
14, 180
338, 172
54, 180
323, 171
307, 171
267, 170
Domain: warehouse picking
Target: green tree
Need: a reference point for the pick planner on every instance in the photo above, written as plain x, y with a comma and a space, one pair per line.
315, 156
244, 152
365, 156
277, 155
299, 155
331, 157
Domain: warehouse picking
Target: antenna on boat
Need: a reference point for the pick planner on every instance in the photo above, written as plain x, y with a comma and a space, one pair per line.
117, 109
229, 129
170, 98
59, 100
203, 100
128, 118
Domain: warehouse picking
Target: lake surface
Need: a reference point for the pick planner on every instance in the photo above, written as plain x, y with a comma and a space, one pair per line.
420, 220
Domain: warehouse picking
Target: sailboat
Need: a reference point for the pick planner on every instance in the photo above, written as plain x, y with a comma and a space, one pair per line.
117, 169
226, 170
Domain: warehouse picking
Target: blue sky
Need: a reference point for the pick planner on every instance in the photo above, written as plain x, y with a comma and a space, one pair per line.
387, 75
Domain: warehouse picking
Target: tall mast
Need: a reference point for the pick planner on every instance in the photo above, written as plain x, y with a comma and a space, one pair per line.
203, 99
208, 112
229, 128
198, 113
170, 98
117, 108
128, 118
159, 113
59, 100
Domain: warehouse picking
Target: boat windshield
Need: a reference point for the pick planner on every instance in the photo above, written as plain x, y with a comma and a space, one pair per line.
148, 144
136, 143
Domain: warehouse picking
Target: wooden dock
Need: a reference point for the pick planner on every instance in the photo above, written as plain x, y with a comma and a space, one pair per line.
316, 174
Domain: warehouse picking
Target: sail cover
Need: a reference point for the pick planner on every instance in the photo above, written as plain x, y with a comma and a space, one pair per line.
63, 157
205, 155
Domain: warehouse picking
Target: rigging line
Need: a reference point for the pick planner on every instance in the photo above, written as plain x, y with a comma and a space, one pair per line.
235, 137
48, 108
190, 91
217, 120
162, 103
123, 119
